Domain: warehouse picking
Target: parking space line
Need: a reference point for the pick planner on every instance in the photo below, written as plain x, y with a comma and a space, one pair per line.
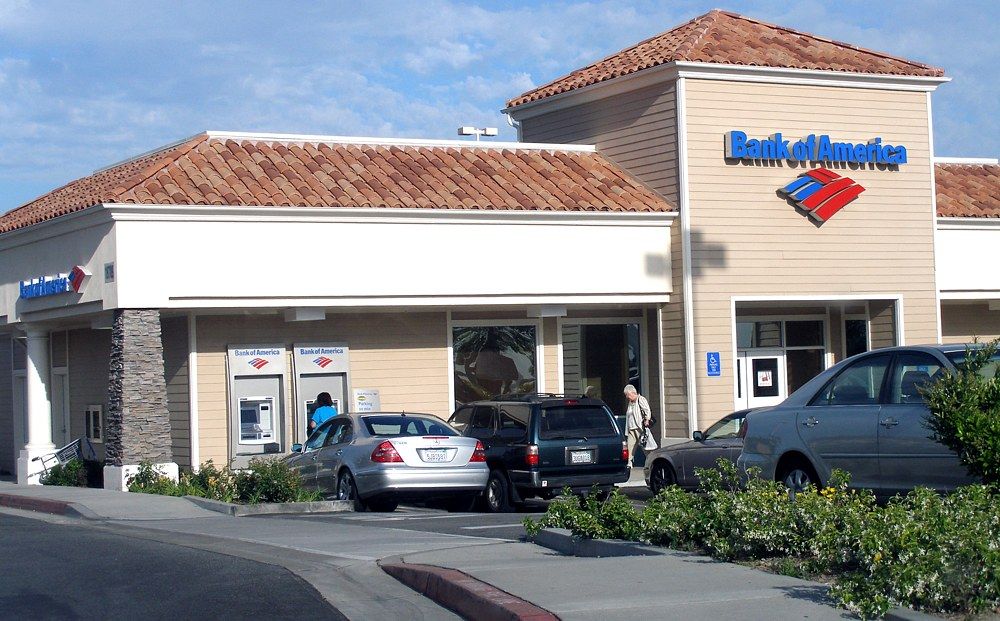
490, 526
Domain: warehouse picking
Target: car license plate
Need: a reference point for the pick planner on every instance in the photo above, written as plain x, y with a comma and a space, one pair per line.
435, 455
580, 457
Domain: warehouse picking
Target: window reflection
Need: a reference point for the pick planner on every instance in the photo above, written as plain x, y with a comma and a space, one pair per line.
493, 360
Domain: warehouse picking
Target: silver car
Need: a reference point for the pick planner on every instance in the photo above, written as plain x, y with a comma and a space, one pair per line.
675, 464
377, 459
865, 415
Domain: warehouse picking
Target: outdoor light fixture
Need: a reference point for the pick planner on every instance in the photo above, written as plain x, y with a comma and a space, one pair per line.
465, 130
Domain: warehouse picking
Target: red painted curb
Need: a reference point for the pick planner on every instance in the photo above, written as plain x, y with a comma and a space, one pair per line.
465, 595
43, 505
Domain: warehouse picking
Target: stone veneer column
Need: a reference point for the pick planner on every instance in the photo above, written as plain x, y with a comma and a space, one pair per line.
137, 421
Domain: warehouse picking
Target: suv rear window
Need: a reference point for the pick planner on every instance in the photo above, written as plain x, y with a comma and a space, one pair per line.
568, 422
396, 426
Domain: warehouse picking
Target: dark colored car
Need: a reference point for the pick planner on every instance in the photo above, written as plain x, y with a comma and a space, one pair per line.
676, 463
537, 445
865, 415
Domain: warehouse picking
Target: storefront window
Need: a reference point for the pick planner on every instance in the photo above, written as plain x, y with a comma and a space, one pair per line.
600, 359
856, 336
493, 360
754, 334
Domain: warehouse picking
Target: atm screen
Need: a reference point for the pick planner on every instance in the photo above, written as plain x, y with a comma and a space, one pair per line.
256, 421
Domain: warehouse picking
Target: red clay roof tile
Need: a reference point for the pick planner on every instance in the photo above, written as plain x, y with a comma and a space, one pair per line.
968, 190
732, 39
270, 171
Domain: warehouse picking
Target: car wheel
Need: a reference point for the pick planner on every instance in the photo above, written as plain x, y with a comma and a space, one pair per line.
797, 477
661, 476
347, 490
497, 494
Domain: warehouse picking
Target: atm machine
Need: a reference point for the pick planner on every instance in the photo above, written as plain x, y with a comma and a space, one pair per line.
256, 381
320, 367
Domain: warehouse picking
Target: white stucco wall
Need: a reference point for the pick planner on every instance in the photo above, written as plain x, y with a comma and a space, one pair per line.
967, 251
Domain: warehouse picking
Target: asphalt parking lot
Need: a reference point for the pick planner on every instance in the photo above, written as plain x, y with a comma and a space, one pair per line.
500, 526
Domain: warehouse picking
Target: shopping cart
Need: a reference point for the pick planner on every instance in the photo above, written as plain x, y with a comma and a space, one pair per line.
81, 448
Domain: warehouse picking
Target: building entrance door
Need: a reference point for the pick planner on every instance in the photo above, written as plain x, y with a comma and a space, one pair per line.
760, 378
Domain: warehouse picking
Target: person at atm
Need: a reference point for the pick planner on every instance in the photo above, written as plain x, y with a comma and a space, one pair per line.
324, 411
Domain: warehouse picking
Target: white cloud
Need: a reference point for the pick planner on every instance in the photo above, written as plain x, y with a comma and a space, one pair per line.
444, 52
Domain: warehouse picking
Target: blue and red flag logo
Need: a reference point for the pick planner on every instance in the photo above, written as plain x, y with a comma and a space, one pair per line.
822, 192
77, 278
257, 363
322, 362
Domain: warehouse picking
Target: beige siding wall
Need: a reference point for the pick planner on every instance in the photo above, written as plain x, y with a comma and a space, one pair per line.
747, 241
89, 365
961, 323
175, 374
8, 452
638, 130
882, 326
403, 355
550, 353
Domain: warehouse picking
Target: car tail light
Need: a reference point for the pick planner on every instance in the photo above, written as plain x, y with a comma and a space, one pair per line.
386, 453
742, 433
531, 457
478, 455
624, 450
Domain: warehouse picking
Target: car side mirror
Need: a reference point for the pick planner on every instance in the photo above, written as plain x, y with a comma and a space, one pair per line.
698, 436
296, 448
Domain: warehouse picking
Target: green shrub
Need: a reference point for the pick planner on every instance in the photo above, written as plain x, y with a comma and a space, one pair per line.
965, 412
270, 480
265, 480
71, 474
922, 550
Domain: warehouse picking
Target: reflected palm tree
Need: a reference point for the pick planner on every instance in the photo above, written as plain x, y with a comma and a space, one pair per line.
486, 361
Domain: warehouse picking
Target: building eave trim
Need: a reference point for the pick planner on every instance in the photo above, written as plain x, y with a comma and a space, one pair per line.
718, 71
952, 223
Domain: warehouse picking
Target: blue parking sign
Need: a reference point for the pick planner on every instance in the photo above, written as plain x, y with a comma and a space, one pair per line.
713, 362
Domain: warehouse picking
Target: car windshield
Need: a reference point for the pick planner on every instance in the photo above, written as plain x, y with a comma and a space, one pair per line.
988, 370
569, 422
725, 429
393, 426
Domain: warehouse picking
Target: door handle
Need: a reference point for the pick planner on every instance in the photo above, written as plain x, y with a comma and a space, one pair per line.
340, 452
812, 421
315, 456
889, 422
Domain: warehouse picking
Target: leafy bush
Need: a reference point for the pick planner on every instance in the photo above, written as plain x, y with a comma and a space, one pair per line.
938, 553
263, 481
965, 412
71, 474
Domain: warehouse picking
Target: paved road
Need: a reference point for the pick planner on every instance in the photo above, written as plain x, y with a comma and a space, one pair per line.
57, 571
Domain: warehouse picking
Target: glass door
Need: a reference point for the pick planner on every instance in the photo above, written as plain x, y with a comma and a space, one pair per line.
761, 378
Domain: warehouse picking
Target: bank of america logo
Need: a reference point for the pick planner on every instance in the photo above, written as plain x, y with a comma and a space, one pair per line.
822, 192
322, 362
258, 363
77, 277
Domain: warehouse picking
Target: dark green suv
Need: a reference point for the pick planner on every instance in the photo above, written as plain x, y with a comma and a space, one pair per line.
538, 444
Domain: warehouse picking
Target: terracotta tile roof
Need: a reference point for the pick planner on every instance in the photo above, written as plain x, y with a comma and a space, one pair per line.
732, 39
968, 190
272, 171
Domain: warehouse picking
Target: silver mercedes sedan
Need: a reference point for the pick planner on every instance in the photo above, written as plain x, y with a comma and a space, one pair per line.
377, 459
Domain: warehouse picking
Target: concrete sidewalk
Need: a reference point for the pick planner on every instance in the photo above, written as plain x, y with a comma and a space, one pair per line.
341, 564
673, 585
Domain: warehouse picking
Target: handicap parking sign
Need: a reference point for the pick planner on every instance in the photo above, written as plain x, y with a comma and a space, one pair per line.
713, 363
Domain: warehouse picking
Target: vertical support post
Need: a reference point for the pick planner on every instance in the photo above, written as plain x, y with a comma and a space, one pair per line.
37, 407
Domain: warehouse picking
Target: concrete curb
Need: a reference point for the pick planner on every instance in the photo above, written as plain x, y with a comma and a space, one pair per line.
562, 540
47, 505
465, 595
324, 506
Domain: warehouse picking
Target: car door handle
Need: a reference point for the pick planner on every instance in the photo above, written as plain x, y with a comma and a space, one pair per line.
340, 452
315, 456
812, 421
889, 422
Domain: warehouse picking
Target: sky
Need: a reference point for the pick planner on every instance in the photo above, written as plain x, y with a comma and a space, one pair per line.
87, 84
